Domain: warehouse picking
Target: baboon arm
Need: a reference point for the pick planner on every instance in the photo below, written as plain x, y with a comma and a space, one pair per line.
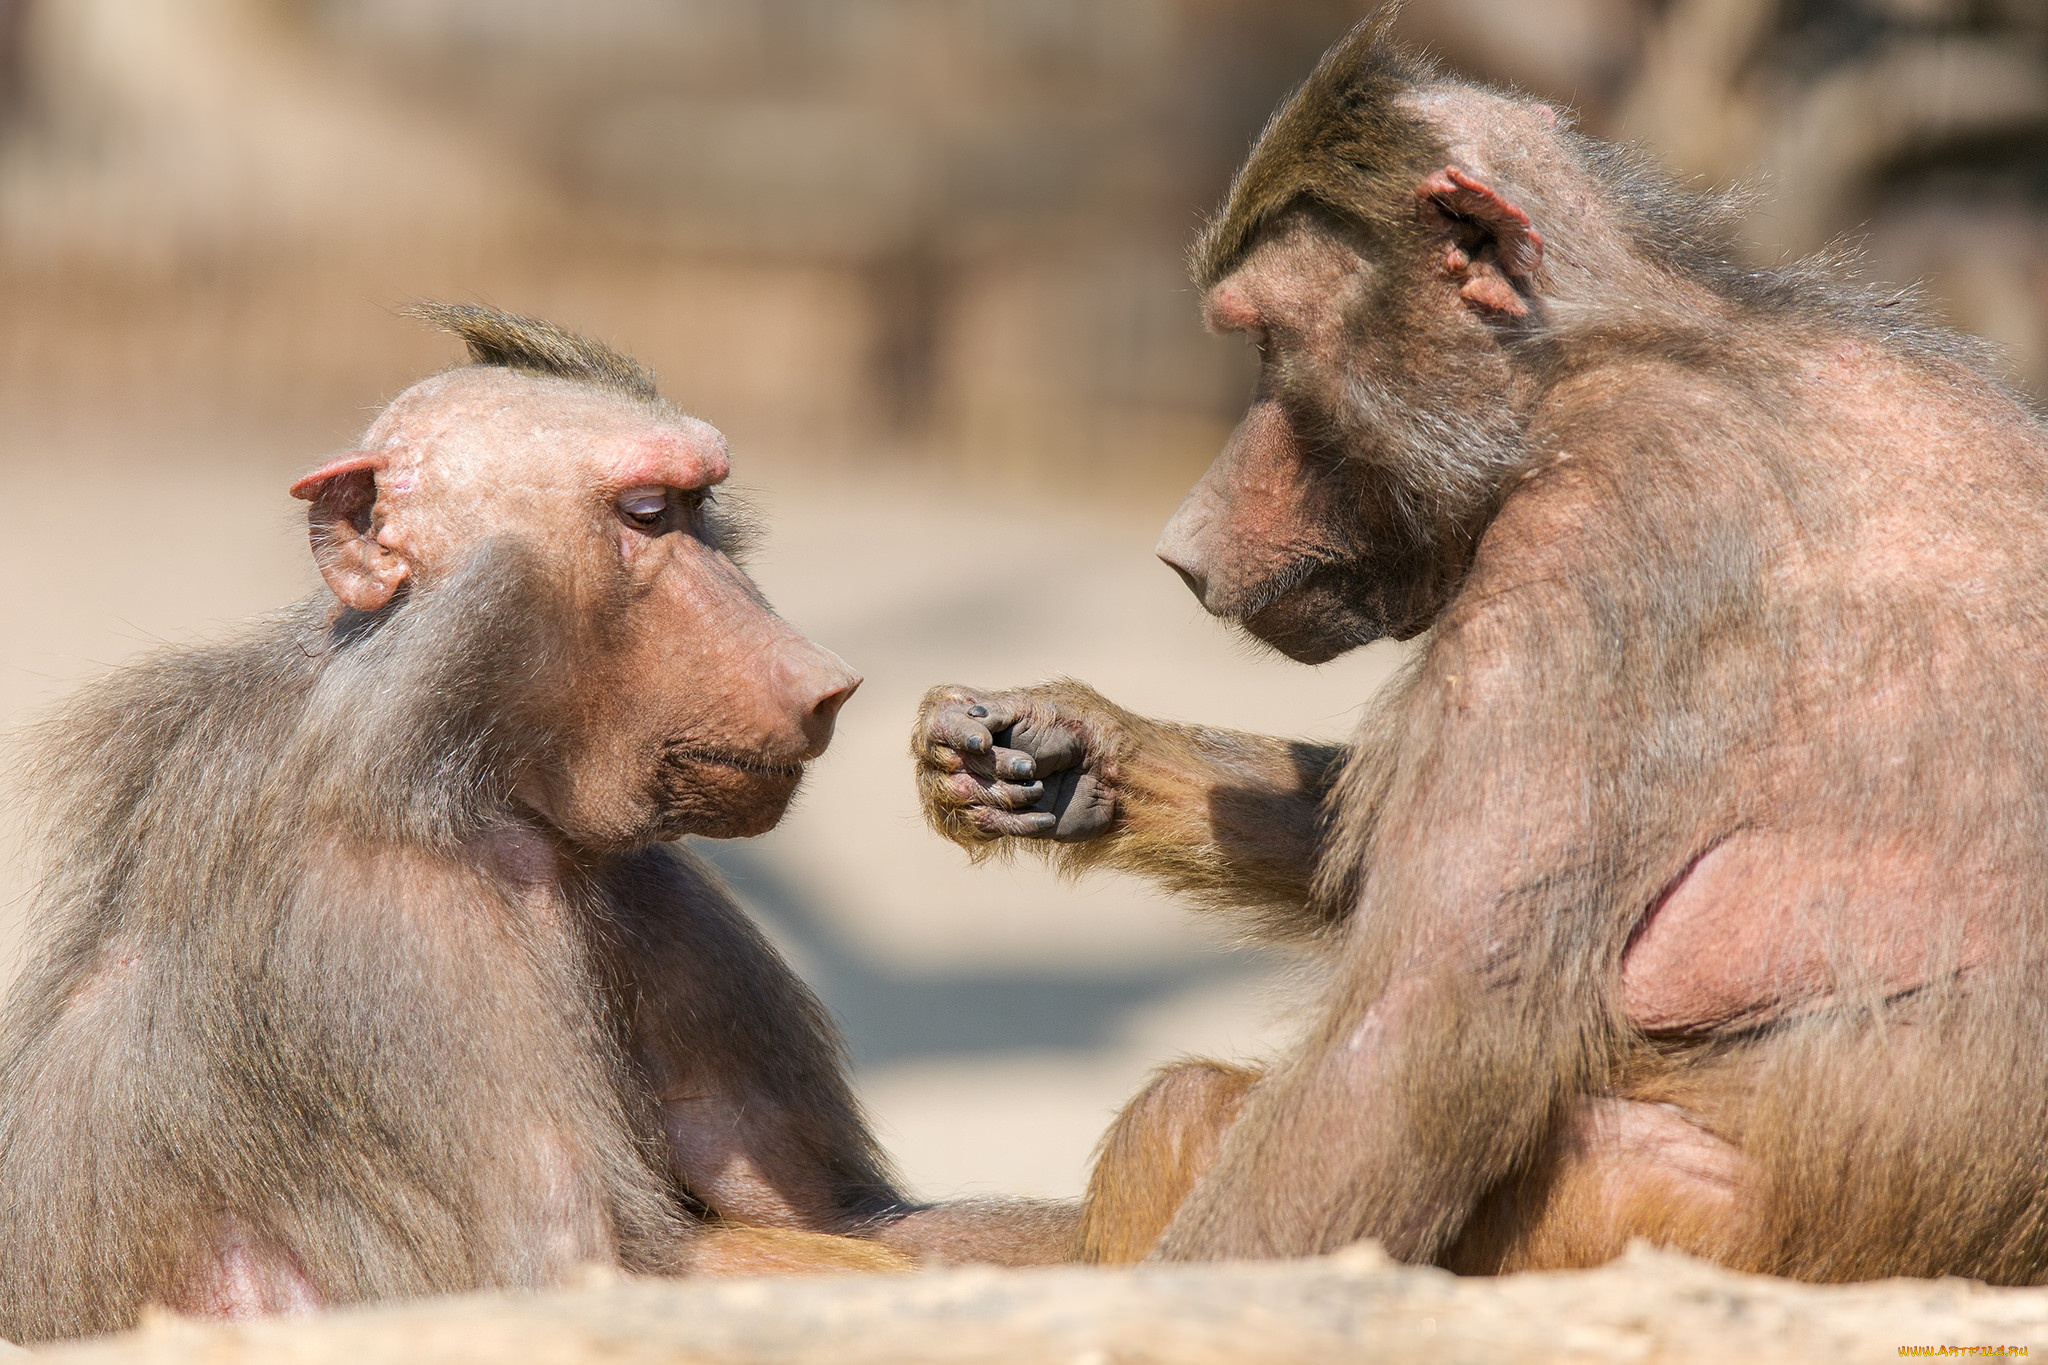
1227, 819
743, 1062
761, 1124
1468, 977
1230, 819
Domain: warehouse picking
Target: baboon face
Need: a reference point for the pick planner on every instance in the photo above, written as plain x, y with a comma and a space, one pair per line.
687, 706
710, 705
1264, 538
1342, 508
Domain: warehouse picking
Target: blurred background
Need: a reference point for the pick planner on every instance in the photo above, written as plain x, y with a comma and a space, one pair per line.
921, 259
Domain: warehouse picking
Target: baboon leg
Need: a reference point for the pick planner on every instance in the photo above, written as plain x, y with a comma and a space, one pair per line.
245, 1275
1159, 1146
999, 1231
736, 1250
1621, 1169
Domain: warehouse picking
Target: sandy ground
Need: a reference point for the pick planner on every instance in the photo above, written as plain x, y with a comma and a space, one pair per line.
996, 1015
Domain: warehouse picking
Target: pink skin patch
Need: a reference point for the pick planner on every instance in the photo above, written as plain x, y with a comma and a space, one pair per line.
246, 1276
1228, 310
1763, 926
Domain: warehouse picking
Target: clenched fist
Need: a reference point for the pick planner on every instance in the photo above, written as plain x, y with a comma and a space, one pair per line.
1036, 763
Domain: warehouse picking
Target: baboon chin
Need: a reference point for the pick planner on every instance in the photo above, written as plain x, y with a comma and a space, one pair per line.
1691, 880
721, 797
1325, 615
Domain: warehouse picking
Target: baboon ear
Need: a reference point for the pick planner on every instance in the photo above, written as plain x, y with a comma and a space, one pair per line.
361, 572
1493, 248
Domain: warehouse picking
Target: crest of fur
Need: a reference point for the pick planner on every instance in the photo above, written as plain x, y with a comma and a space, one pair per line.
536, 347
1339, 142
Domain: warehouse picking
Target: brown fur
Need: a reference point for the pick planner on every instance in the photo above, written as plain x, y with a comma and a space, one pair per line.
1339, 142
1160, 1145
1691, 883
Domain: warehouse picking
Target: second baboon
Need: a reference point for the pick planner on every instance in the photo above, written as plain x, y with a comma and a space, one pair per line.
1693, 882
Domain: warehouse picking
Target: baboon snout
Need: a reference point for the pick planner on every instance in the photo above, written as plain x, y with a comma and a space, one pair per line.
1180, 546
813, 683
1197, 584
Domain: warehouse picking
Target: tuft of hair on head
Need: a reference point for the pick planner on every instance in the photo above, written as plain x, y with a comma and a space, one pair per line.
1339, 142
495, 337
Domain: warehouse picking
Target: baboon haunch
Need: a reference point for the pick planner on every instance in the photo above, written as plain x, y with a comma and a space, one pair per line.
1692, 882
365, 972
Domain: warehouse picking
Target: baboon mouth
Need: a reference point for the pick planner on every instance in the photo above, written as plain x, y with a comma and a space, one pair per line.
680, 754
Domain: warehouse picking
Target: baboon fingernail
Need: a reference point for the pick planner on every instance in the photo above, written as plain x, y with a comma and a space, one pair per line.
977, 711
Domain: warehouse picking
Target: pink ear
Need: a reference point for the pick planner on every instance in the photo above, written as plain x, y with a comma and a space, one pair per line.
362, 572
312, 486
1464, 195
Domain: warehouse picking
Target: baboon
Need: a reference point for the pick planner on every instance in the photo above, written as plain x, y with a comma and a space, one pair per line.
365, 969
1691, 881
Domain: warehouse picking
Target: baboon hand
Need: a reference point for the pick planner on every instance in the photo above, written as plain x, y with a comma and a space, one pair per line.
994, 765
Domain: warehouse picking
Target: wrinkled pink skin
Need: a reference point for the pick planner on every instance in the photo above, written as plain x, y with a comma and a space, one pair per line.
247, 1277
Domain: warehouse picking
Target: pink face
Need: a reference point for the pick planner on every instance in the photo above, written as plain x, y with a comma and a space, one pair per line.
1266, 538
1346, 501
692, 707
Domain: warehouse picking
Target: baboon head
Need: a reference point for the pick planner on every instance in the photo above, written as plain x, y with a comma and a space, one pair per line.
1372, 249
672, 699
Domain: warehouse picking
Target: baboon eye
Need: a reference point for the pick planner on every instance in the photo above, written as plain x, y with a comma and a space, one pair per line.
646, 508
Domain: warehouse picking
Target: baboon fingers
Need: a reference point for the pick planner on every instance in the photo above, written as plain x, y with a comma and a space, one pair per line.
960, 718
1015, 796
1014, 765
944, 759
955, 730
965, 789
1030, 825
1051, 747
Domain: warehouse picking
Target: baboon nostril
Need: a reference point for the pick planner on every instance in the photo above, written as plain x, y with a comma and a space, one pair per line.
828, 705
1197, 584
